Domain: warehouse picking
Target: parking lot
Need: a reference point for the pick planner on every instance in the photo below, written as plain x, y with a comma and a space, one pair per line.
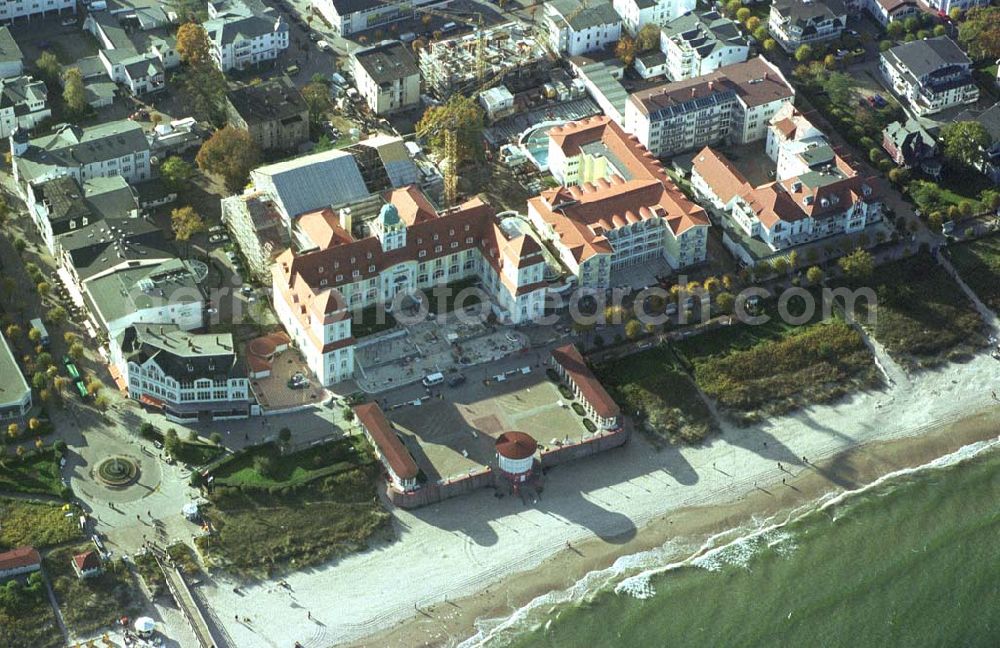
454, 431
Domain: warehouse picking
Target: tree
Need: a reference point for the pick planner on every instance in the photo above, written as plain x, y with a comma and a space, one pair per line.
955, 13
13, 430
732, 7
193, 46
830, 61
911, 24
56, 315
461, 115
171, 442
215, 438
185, 223
804, 54
964, 142
625, 50
980, 33
857, 265
895, 30
317, 98
74, 92
742, 14
176, 172
43, 289
814, 275
939, 30
633, 328
49, 68
648, 37
76, 351
753, 24
231, 153
990, 198
264, 465
192, 10
760, 33
770, 45
284, 436
725, 301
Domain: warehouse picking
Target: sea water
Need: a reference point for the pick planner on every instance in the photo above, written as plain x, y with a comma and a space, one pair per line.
910, 560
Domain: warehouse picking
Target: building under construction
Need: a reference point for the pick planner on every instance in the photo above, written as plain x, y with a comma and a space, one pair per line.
512, 56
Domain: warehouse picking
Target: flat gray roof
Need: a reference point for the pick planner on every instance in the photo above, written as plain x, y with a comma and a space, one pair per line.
13, 386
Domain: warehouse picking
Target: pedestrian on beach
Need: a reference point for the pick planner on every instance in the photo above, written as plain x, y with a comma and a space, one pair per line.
309, 615
779, 466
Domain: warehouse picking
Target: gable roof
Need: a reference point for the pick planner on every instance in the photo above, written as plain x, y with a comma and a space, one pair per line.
313, 181
19, 558
725, 180
569, 358
87, 561
9, 51
384, 436
923, 57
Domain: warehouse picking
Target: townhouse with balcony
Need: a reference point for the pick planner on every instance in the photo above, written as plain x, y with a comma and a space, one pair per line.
577, 28
387, 77
188, 376
793, 23
636, 13
617, 207
109, 149
409, 246
23, 104
931, 75
696, 44
242, 37
815, 194
142, 72
733, 104
13, 10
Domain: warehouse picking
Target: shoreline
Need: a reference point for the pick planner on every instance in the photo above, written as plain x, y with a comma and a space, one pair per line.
450, 622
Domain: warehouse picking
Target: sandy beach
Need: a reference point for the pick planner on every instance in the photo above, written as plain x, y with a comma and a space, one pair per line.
479, 556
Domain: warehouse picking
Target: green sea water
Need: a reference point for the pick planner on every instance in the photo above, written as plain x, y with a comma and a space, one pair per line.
913, 560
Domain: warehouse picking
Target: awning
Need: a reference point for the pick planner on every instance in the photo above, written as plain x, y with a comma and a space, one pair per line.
119, 379
146, 399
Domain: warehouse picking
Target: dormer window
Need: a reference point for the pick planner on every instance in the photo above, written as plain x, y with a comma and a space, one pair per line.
321, 269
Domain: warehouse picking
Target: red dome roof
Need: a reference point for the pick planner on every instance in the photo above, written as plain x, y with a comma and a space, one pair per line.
516, 445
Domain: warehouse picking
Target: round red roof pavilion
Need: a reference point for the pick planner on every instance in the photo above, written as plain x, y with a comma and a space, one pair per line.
516, 445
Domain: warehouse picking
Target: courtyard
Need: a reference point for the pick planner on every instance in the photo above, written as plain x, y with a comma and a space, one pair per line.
452, 433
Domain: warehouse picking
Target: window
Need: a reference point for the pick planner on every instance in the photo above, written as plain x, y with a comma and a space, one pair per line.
468, 239
437, 248
454, 244
340, 277
421, 254
356, 274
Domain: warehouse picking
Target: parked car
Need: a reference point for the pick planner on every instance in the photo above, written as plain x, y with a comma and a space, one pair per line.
215, 229
323, 46
218, 238
456, 380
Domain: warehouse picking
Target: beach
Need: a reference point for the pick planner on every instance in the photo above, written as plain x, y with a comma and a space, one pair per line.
478, 556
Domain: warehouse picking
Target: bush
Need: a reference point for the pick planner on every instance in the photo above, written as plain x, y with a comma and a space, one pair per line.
264, 464
566, 392
578, 408
587, 423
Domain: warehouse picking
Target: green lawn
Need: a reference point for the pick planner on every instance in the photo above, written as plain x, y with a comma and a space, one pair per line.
98, 602
367, 322
37, 524
26, 617
650, 386
259, 532
37, 474
921, 316
244, 470
978, 263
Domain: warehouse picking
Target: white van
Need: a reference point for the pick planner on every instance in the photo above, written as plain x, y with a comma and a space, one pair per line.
433, 379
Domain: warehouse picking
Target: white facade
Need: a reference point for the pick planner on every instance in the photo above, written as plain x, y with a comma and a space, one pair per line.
346, 17
574, 31
947, 5
387, 77
685, 56
935, 86
30, 109
11, 10
235, 48
636, 13
793, 23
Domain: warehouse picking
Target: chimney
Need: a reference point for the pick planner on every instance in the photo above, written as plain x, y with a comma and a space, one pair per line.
711, 85
345, 219
694, 91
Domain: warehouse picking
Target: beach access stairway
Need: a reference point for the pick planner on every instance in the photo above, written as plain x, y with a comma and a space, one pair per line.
185, 601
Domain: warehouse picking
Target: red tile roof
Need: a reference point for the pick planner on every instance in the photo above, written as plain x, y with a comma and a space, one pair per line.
724, 179
391, 448
323, 229
516, 445
19, 558
87, 561
590, 387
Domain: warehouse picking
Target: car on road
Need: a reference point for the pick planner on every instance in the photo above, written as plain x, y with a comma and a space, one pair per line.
218, 238
324, 46
314, 37
456, 380
215, 229
158, 444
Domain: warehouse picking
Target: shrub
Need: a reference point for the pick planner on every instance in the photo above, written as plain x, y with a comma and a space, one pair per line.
587, 423
566, 392
578, 408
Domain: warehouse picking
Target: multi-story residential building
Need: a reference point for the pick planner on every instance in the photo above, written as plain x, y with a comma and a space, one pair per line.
945, 6
989, 163
15, 394
910, 145
698, 43
387, 77
101, 151
23, 103
11, 58
158, 292
142, 72
186, 375
886, 11
617, 207
815, 194
793, 23
12, 10
240, 39
576, 28
732, 104
636, 13
596, 401
273, 112
409, 246
932, 74
348, 17
63, 205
